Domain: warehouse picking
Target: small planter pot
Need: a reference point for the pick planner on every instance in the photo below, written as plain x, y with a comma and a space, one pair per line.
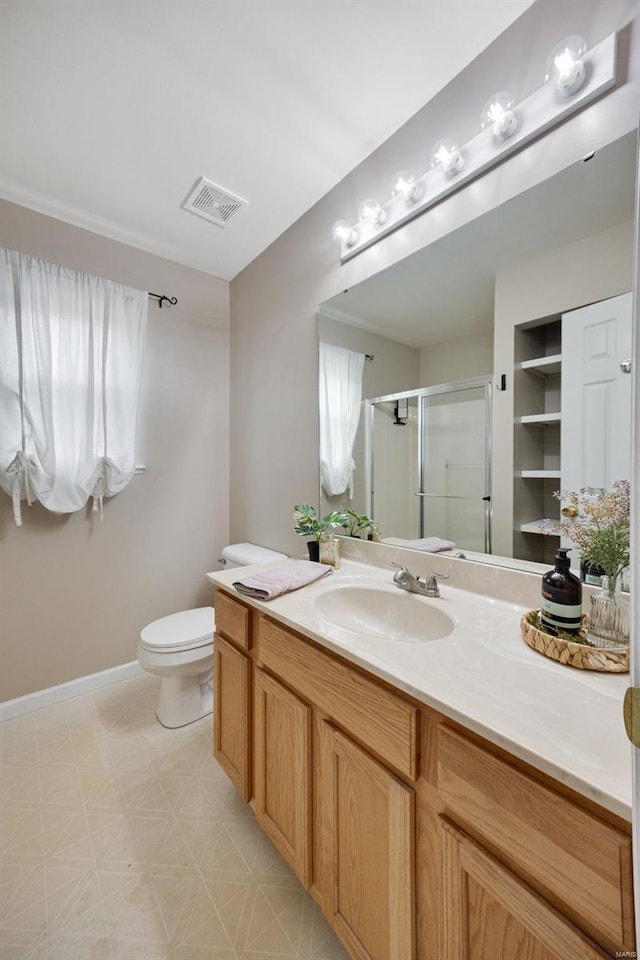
313, 547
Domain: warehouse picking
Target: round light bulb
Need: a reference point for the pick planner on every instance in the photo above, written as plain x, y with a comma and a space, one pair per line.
499, 116
565, 68
372, 212
344, 232
446, 153
404, 185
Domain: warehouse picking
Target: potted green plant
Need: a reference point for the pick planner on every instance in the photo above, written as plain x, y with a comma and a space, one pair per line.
308, 524
356, 522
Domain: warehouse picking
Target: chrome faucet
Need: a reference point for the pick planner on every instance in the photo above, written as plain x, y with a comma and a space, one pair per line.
406, 580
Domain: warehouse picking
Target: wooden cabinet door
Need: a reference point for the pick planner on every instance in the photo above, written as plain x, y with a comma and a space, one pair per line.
489, 913
371, 824
282, 771
232, 713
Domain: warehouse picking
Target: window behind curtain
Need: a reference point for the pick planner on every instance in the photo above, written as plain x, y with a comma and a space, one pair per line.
71, 347
340, 385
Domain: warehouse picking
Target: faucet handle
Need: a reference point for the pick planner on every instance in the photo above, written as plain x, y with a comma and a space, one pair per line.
431, 588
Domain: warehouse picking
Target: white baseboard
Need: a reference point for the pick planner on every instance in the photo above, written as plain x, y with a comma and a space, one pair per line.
65, 691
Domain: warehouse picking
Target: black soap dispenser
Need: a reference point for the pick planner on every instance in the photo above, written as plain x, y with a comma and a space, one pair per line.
561, 604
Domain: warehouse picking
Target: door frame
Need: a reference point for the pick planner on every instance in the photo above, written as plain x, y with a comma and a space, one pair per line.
635, 536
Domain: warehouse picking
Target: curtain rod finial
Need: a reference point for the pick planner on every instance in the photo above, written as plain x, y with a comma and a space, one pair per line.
162, 298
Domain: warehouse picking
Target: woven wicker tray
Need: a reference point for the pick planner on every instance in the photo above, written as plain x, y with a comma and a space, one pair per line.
580, 655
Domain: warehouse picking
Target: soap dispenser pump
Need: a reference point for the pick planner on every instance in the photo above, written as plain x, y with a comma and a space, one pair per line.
561, 603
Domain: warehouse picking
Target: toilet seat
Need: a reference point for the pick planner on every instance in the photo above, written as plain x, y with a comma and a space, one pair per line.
186, 630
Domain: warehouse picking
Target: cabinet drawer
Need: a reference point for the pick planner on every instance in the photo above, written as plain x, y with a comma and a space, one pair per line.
570, 855
377, 717
233, 620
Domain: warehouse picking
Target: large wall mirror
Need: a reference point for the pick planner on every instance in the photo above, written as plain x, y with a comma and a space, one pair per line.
537, 292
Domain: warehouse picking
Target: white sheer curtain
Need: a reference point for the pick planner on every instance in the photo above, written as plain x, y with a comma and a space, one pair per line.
71, 348
340, 401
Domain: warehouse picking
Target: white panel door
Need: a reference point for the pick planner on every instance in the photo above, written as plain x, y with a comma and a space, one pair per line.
596, 394
596, 397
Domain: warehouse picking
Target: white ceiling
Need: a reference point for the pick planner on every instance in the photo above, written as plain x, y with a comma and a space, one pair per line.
111, 109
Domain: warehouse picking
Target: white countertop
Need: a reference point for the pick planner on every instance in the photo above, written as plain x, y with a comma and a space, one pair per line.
565, 722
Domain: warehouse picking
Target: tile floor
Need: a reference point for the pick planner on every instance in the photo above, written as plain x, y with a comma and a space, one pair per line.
120, 840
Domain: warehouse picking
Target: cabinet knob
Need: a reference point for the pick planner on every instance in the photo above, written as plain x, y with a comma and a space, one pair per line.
570, 512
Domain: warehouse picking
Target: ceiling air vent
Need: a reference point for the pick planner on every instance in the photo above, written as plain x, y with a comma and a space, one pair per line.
212, 202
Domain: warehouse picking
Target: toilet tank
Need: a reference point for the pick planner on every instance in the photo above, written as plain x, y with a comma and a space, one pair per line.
245, 554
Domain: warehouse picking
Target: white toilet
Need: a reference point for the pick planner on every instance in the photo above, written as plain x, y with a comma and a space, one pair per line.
179, 648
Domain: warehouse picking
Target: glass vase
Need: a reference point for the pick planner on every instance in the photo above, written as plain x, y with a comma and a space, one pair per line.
609, 619
330, 550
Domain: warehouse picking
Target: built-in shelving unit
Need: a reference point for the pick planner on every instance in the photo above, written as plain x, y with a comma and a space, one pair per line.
540, 418
534, 527
542, 366
536, 427
540, 474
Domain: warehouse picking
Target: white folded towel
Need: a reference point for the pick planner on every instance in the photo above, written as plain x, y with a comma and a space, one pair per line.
428, 544
273, 583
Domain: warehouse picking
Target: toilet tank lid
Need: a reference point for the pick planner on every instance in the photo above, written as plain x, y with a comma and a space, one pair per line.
247, 553
187, 628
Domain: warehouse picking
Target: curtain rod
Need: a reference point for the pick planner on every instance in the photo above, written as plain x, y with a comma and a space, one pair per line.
368, 356
162, 298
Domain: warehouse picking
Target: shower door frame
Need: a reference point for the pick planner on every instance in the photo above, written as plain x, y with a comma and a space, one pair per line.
421, 394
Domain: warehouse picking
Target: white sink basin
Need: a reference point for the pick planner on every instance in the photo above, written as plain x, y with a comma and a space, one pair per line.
382, 614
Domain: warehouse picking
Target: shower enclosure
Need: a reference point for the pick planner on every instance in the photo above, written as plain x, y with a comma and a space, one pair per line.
428, 454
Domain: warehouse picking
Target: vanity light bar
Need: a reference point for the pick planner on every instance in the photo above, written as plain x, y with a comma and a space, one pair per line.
535, 116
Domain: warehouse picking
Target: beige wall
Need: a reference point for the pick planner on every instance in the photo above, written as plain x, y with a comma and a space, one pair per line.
274, 300
73, 594
462, 359
593, 268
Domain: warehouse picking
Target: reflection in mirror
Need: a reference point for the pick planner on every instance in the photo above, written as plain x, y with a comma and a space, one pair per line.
536, 291
430, 481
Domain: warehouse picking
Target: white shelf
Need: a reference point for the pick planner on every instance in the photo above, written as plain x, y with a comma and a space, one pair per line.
534, 527
540, 418
540, 474
544, 366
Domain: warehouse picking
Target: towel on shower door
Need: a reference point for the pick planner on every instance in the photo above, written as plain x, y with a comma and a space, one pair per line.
428, 544
273, 583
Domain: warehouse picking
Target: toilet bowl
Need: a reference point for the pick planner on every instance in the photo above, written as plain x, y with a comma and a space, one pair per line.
179, 649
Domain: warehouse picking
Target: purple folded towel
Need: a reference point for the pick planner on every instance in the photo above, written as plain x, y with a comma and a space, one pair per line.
273, 583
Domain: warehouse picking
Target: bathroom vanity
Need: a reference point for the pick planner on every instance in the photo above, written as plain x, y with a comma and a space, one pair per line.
456, 797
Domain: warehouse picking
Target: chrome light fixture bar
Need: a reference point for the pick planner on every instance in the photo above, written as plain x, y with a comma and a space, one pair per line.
532, 118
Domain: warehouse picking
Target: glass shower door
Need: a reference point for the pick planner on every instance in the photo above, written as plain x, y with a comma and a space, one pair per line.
454, 482
393, 454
